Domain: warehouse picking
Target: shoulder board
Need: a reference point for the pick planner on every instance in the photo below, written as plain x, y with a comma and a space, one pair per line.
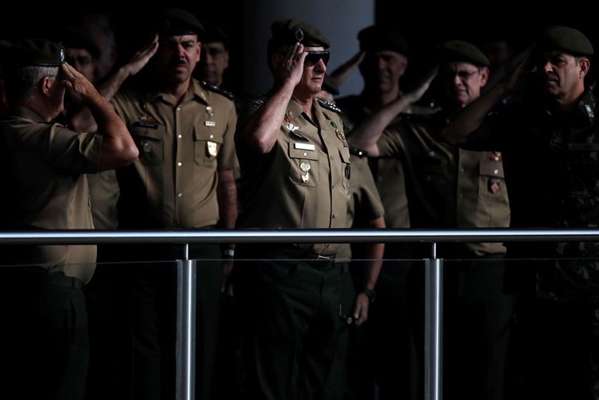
218, 90
328, 105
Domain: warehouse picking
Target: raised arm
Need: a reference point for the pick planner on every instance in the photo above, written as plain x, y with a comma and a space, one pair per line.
118, 148
82, 120
344, 71
366, 134
472, 116
260, 131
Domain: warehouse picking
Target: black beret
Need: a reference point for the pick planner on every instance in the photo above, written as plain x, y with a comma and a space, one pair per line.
566, 39
76, 38
214, 33
382, 38
288, 31
177, 21
36, 52
459, 50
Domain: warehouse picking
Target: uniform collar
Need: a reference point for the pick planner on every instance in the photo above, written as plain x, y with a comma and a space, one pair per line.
194, 91
27, 113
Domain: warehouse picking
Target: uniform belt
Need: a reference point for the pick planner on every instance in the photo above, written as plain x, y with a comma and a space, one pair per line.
296, 252
62, 280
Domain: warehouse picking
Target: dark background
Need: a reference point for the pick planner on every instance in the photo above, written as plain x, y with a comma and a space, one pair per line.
424, 24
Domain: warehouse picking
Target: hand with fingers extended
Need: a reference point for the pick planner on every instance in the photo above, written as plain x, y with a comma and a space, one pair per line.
291, 68
77, 86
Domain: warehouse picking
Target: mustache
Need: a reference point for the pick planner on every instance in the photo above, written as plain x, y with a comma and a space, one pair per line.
179, 62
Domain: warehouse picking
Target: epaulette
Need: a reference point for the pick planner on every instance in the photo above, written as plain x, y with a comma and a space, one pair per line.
328, 105
216, 89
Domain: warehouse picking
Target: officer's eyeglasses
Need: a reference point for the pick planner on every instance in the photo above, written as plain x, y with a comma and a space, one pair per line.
463, 75
313, 57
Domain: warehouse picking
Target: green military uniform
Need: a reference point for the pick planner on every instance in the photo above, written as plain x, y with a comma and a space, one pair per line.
290, 294
448, 187
451, 187
172, 185
551, 165
387, 171
316, 190
183, 145
37, 200
45, 342
182, 148
303, 183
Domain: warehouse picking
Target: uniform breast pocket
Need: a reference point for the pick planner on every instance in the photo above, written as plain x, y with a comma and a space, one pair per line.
304, 165
206, 148
492, 178
150, 143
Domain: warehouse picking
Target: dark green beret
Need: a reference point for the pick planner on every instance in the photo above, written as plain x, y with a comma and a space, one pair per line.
330, 85
36, 52
76, 38
288, 31
461, 51
214, 33
382, 38
566, 39
177, 21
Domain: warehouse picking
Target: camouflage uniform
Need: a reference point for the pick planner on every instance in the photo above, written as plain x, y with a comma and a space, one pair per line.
550, 161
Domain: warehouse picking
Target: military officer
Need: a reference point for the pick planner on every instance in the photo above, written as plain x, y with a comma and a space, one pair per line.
45, 341
295, 170
449, 187
183, 179
548, 136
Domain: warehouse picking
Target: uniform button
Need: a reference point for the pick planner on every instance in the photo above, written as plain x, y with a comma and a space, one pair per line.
461, 169
178, 109
179, 194
179, 164
211, 136
179, 136
495, 171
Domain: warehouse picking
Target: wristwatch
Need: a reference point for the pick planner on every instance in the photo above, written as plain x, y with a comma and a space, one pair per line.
229, 253
371, 294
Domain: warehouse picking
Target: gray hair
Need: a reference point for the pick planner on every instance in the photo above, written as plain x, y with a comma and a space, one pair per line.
23, 81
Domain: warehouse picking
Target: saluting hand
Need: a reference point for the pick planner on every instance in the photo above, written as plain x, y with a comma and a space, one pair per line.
141, 57
76, 85
521, 67
292, 67
421, 89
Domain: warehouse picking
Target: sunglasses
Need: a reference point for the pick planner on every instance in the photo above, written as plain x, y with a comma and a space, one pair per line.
313, 57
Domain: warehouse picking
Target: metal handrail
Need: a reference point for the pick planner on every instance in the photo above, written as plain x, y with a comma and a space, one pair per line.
297, 236
186, 273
